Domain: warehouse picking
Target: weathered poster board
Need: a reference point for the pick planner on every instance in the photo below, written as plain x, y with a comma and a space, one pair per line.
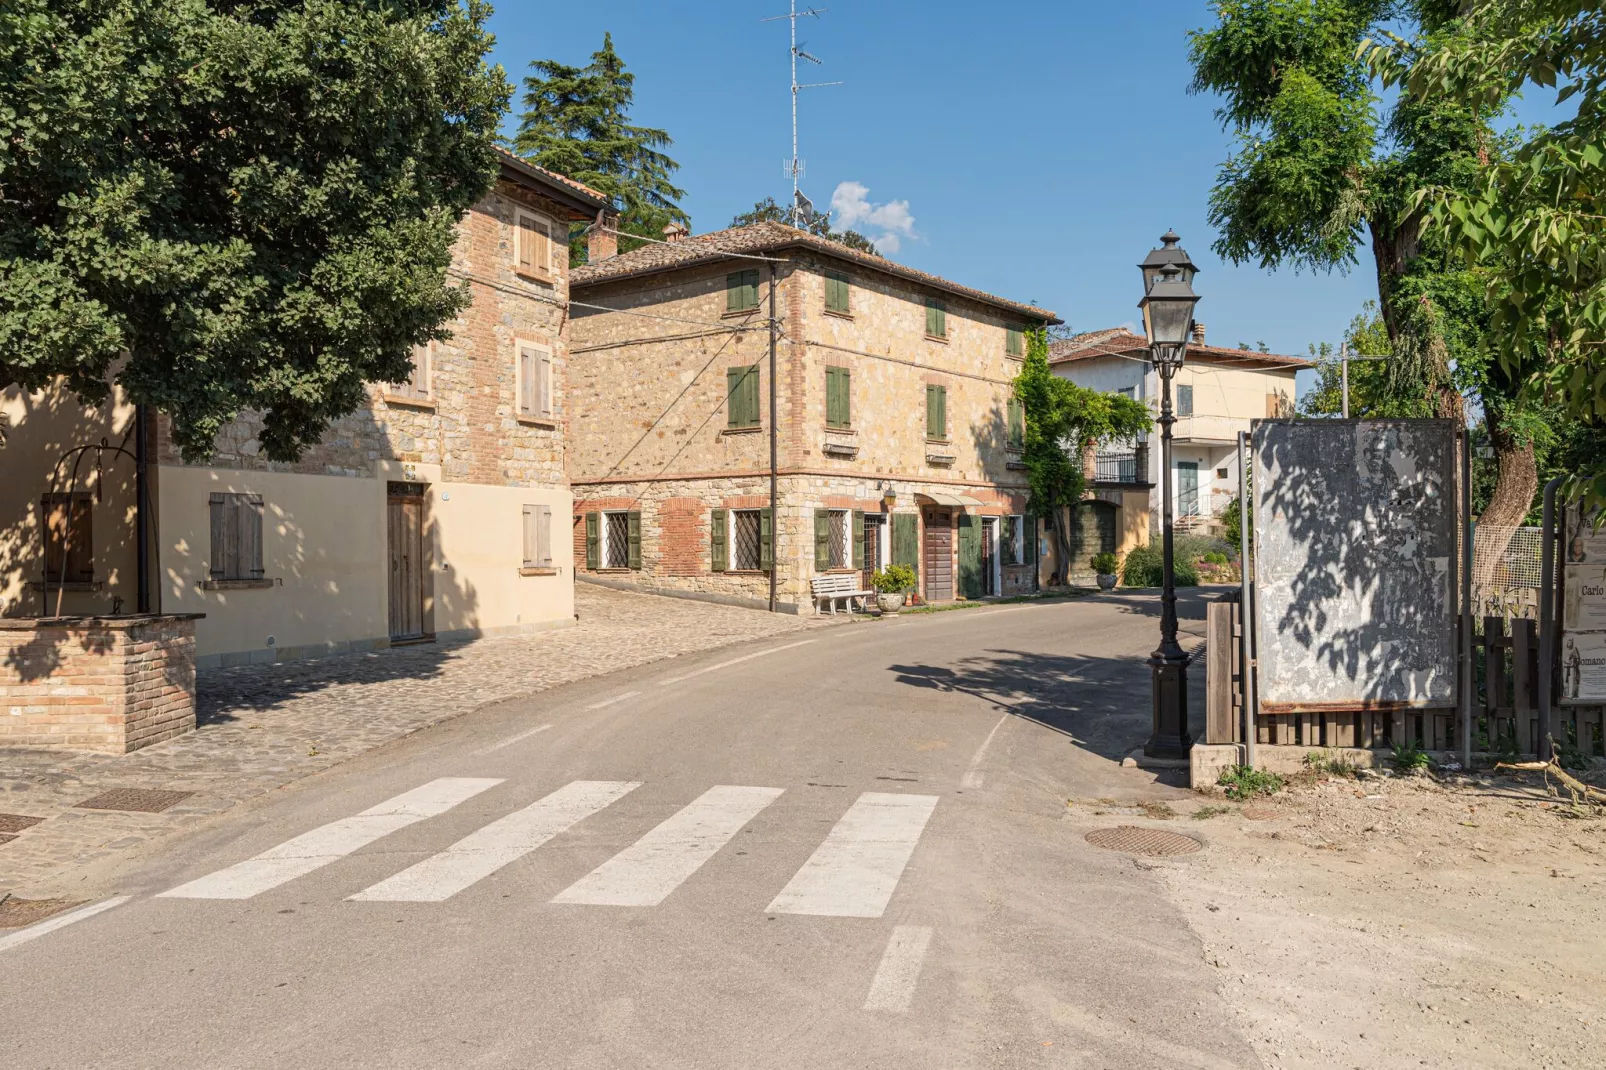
1583, 643
1355, 564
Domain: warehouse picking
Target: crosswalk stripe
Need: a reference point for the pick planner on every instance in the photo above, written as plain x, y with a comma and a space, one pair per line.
893, 988
643, 874
505, 840
328, 843
855, 871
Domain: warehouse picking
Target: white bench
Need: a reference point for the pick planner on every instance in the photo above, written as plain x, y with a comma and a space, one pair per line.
842, 586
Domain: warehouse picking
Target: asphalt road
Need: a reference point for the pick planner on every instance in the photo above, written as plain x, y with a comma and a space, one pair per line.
847, 848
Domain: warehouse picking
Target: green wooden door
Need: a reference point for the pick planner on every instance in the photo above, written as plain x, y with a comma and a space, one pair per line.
972, 583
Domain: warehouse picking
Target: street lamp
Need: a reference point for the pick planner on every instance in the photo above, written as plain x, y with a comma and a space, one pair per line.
1167, 306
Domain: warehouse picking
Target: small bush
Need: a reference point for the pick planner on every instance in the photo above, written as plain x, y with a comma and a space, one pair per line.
1215, 557
1145, 567
1191, 547
1243, 782
894, 579
1409, 757
1331, 764
1105, 563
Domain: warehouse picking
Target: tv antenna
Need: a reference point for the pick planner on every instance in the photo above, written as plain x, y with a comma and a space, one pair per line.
801, 208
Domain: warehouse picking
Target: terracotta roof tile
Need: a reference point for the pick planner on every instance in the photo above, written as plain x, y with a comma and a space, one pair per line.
1120, 342
769, 237
581, 187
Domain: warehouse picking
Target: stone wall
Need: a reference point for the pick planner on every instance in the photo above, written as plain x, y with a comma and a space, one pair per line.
110, 685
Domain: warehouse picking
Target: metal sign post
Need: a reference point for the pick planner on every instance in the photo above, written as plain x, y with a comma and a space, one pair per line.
1246, 609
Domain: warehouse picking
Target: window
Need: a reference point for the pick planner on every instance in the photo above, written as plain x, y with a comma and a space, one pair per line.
832, 539
1014, 341
740, 539
838, 398
936, 413
538, 536
1010, 540
1221, 473
741, 291
1184, 401
1128, 392
535, 381
741, 396
837, 293
936, 318
534, 245
236, 537
1017, 425
621, 539
747, 525
417, 385
69, 531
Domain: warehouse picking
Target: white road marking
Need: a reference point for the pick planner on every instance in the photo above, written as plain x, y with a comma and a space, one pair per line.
894, 986
611, 701
643, 874
509, 741
735, 661
855, 871
50, 925
505, 840
331, 842
973, 775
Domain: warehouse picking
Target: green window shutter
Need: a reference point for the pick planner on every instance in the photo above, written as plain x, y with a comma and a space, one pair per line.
822, 539
593, 543
936, 412
750, 288
766, 538
741, 291
936, 318
931, 411
838, 411
718, 530
741, 396
633, 539
906, 540
1017, 423
1014, 341
858, 537
750, 393
836, 292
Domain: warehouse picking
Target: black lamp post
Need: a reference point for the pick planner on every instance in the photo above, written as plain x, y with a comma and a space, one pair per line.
1167, 306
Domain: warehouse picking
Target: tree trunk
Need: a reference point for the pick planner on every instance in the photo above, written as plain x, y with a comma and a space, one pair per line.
1062, 540
1516, 481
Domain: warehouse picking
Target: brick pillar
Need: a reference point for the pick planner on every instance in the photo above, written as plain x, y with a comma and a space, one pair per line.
602, 241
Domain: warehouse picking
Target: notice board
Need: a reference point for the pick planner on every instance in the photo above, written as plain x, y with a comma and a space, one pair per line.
1355, 564
1583, 641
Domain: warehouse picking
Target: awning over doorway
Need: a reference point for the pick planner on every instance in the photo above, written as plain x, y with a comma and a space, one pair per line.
937, 498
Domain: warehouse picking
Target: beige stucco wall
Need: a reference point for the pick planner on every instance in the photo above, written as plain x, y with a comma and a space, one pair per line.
36, 429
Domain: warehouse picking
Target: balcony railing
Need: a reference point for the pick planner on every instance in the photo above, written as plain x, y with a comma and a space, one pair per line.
1127, 467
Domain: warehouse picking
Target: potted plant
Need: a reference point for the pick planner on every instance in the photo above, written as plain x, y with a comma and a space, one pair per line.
892, 585
1106, 564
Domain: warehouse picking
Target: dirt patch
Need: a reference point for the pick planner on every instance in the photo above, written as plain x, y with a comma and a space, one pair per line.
16, 913
1407, 922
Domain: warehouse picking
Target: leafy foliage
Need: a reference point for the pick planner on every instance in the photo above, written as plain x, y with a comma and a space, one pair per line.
255, 202
1244, 782
1409, 757
767, 211
576, 122
1145, 567
1105, 563
894, 579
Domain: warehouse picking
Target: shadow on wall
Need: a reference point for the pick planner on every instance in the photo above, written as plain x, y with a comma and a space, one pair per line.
43, 655
1357, 567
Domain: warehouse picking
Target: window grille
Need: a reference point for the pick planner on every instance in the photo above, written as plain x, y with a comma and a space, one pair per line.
746, 524
837, 538
618, 539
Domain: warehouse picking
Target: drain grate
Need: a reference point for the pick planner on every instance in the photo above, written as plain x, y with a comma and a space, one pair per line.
1136, 841
139, 800
17, 822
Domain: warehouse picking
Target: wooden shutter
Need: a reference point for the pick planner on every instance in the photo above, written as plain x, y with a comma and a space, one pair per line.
766, 538
750, 391
633, 539
529, 536
838, 395
822, 539
543, 384
1017, 423
936, 412
525, 240
527, 375
741, 291
936, 318
1013, 341
741, 396
593, 541
236, 522
537, 536
718, 540
906, 540
858, 538
69, 537
250, 521
836, 292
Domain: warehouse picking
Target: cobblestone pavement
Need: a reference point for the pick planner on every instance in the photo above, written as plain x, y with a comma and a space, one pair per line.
264, 726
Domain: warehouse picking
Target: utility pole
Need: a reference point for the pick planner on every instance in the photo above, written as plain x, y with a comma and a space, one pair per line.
1344, 357
801, 208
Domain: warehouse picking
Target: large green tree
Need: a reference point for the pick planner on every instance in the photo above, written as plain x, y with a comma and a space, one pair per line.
254, 202
576, 121
1325, 167
1063, 421
767, 211
1537, 215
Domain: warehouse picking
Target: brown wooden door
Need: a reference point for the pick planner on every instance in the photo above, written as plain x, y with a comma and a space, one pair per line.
405, 524
939, 555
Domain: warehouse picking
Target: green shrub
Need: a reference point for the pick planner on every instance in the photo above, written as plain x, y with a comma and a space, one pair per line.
1105, 563
1244, 782
1215, 557
1145, 567
1409, 757
1190, 547
894, 579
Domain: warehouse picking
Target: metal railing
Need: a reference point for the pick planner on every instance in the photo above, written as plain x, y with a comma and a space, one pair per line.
1116, 468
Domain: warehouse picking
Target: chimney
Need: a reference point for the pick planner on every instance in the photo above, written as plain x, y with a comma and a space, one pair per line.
602, 241
1198, 334
674, 232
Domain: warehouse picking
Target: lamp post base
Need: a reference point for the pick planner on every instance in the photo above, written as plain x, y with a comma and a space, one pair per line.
1170, 738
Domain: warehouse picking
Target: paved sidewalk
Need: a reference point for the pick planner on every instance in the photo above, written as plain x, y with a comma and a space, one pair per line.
264, 726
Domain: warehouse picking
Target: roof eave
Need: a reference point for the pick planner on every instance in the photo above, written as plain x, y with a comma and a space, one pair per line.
584, 204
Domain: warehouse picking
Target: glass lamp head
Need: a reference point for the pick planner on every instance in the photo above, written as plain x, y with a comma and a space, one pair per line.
1168, 253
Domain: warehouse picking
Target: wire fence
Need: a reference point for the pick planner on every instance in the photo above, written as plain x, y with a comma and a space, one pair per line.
1505, 571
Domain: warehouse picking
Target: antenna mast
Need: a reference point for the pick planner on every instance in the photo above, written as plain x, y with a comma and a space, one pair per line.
801, 210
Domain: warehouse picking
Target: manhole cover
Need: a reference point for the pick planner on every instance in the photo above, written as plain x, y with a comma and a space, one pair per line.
15, 913
17, 822
1138, 841
138, 799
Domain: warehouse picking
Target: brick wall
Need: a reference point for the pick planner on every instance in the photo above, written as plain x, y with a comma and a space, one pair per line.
102, 685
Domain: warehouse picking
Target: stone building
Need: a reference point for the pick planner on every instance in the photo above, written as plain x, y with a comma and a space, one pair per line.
440, 508
887, 427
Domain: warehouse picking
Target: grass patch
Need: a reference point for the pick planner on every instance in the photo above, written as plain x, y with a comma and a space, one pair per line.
1243, 782
1409, 757
1158, 810
1330, 764
1205, 813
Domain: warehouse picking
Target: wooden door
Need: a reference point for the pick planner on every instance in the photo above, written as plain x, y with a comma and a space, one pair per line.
1187, 488
405, 535
939, 555
971, 584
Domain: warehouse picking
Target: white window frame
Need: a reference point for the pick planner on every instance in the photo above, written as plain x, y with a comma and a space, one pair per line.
544, 361
550, 271
731, 562
605, 543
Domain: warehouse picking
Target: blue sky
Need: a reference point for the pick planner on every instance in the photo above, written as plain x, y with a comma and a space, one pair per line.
1039, 148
